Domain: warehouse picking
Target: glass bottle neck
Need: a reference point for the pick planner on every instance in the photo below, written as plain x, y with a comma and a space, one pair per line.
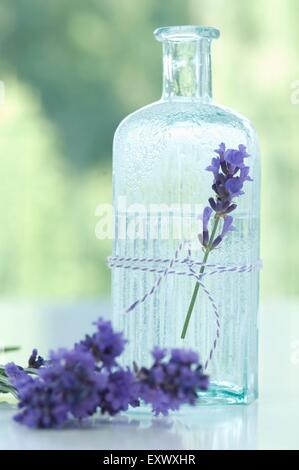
187, 70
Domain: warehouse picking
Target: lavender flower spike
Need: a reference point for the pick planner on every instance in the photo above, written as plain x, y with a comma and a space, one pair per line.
174, 379
229, 175
35, 361
105, 344
120, 392
72, 374
68, 386
227, 227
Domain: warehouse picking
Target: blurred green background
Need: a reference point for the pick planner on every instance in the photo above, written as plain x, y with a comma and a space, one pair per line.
72, 70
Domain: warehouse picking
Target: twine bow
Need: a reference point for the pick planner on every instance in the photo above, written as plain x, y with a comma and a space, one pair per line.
173, 266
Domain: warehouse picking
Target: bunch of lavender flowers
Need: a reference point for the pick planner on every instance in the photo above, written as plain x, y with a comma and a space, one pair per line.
76, 383
229, 175
174, 379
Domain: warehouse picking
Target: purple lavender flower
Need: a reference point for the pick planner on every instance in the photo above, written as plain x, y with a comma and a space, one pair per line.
68, 386
204, 238
173, 380
221, 151
121, 390
215, 166
230, 173
159, 353
73, 374
41, 405
35, 361
105, 345
184, 356
235, 158
234, 186
14, 372
226, 227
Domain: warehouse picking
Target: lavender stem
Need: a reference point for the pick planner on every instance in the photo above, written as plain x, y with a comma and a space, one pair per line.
196, 288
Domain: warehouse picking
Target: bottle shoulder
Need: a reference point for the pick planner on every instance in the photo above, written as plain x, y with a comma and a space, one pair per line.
167, 114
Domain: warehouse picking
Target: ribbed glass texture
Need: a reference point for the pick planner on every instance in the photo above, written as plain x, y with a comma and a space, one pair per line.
160, 188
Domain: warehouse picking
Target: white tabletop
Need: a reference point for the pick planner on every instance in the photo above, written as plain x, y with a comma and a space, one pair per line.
270, 423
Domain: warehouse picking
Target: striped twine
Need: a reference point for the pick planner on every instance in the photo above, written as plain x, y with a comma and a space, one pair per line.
174, 266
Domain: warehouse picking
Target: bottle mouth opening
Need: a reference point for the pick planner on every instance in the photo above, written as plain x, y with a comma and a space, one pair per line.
185, 33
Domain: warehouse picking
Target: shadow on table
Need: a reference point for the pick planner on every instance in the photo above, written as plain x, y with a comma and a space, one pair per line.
232, 427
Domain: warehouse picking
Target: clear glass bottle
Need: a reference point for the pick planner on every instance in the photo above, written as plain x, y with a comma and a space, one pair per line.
159, 168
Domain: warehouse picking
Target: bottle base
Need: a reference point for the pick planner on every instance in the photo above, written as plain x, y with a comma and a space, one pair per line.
226, 394
217, 395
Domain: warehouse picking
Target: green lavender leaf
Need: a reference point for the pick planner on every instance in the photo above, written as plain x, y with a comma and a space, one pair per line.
7, 349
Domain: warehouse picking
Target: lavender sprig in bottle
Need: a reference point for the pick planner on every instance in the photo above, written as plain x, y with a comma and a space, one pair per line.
230, 173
